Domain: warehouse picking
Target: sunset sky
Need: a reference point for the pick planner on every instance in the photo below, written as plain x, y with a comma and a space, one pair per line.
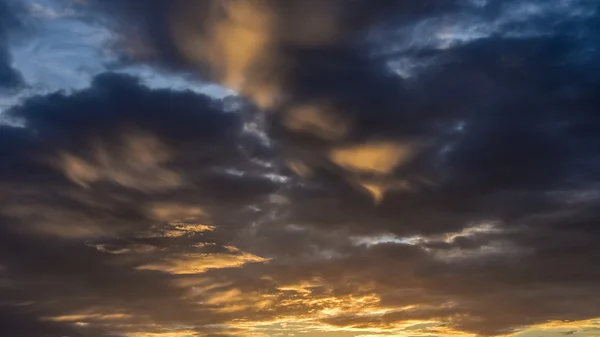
299, 168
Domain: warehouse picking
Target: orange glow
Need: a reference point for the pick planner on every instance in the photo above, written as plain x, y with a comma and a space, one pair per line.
375, 157
199, 263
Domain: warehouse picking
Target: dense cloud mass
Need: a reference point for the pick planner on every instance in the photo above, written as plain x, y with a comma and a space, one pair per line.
385, 168
10, 78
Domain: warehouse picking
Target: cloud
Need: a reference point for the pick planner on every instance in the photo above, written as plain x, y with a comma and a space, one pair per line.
87, 317
198, 263
378, 158
137, 166
239, 38
255, 217
117, 147
317, 120
10, 78
244, 42
21, 321
182, 333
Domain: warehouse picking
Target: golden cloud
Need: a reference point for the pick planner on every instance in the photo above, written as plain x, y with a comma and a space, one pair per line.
199, 263
299, 167
169, 212
373, 157
378, 188
171, 333
184, 220
317, 120
234, 300
88, 317
136, 164
238, 41
559, 327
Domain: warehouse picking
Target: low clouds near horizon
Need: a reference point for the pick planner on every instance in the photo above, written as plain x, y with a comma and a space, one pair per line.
366, 168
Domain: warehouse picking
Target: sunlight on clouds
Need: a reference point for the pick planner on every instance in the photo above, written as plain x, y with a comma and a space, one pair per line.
347, 304
184, 220
317, 120
168, 212
491, 248
486, 227
241, 40
240, 36
180, 230
88, 317
235, 300
585, 328
488, 248
303, 287
136, 164
298, 308
199, 263
300, 168
374, 157
378, 159
176, 231
378, 188
302, 326
315, 258
199, 285
181, 333
316, 306
385, 238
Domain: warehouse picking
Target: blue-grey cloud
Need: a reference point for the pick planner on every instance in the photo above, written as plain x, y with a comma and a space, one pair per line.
10, 78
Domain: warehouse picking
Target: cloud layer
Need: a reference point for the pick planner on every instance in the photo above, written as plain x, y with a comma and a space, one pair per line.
391, 169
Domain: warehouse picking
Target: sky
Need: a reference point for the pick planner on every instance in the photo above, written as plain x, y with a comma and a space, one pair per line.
299, 168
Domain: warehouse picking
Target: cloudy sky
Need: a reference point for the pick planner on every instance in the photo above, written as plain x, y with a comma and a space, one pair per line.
299, 168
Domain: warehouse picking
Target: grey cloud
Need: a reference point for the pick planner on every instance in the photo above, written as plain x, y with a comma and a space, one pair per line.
115, 237
10, 22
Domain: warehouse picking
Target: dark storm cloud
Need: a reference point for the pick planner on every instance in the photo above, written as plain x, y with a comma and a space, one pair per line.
523, 106
329, 94
10, 78
132, 144
100, 197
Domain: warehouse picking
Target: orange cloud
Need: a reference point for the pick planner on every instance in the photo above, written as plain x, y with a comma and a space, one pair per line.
317, 120
88, 317
373, 157
172, 333
238, 41
199, 263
